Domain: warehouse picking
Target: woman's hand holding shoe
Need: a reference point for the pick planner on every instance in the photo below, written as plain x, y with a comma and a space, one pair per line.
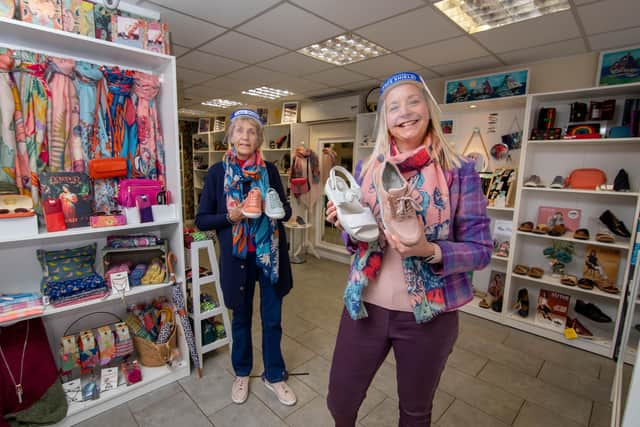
235, 215
332, 215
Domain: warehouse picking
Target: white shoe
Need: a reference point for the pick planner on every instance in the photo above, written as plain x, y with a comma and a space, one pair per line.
240, 390
283, 392
273, 205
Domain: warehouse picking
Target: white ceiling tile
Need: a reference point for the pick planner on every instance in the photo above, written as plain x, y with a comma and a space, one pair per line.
427, 74
179, 50
411, 29
290, 26
243, 48
295, 64
228, 13
186, 31
447, 51
363, 85
581, 2
355, 13
297, 85
336, 77
255, 76
609, 15
472, 65
190, 77
534, 32
553, 50
200, 93
201, 61
226, 84
324, 92
383, 66
615, 39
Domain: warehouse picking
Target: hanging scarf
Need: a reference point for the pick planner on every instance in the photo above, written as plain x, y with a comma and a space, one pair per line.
121, 115
302, 156
63, 118
263, 229
149, 160
35, 96
329, 159
86, 82
431, 192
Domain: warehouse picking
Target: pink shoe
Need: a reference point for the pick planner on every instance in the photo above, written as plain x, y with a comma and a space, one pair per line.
240, 390
397, 206
283, 392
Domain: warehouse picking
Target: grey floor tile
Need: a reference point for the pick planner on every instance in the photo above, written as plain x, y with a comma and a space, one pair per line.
491, 331
302, 391
211, 392
319, 341
120, 416
466, 361
461, 414
477, 343
172, 411
313, 414
489, 398
294, 325
557, 400
162, 395
385, 380
568, 357
252, 413
384, 415
374, 398
318, 378
601, 415
294, 353
575, 382
533, 415
441, 402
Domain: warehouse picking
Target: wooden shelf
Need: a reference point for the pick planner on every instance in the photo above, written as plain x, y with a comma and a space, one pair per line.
552, 281
625, 245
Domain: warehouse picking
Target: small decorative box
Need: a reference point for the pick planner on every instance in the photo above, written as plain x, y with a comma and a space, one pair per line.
108, 220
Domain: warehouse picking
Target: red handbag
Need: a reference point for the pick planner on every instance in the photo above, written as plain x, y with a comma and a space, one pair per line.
53, 216
586, 179
107, 168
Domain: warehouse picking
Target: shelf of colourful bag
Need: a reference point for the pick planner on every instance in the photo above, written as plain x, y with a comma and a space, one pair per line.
589, 141
576, 191
553, 281
620, 242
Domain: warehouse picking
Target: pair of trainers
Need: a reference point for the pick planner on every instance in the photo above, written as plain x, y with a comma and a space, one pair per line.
284, 393
273, 208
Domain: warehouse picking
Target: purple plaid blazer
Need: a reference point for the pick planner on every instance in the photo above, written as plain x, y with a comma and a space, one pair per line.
469, 246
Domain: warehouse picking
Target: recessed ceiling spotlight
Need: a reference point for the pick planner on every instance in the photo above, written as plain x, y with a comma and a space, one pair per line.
268, 92
344, 49
475, 16
222, 103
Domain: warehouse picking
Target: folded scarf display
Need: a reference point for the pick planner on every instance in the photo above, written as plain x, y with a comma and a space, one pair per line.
149, 159
63, 118
263, 229
121, 121
431, 192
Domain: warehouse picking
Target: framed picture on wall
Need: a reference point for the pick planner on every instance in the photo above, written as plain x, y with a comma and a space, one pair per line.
500, 85
619, 66
289, 112
218, 123
204, 125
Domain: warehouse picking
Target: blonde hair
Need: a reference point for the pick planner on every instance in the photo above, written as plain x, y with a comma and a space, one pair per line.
232, 127
448, 157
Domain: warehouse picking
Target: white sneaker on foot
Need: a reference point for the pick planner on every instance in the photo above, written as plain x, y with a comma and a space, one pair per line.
283, 392
240, 390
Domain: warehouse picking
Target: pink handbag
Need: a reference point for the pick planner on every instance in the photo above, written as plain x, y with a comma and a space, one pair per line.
130, 189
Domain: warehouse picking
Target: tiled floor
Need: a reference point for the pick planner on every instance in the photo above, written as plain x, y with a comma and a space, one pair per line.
495, 377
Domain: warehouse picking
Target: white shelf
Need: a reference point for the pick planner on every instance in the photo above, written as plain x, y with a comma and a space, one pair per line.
209, 314
216, 345
625, 245
573, 191
201, 151
594, 141
472, 307
484, 104
494, 209
552, 281
500, 258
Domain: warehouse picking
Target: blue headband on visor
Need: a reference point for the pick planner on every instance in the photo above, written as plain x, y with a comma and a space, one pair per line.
245, 113
397, 78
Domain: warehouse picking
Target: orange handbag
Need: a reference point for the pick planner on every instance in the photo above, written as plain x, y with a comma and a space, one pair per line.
586, 179
108, 168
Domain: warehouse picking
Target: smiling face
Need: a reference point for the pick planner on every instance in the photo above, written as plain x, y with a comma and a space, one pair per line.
244, 138
407, 115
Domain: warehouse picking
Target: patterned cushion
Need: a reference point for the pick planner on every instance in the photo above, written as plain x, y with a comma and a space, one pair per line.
67, 264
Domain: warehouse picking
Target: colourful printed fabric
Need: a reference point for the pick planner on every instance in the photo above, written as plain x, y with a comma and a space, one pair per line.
149, 159
63, 118
35, 96
263, 229
59, 290
122, 126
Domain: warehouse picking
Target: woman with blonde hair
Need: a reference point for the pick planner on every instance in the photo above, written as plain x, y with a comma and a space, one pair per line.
403, 289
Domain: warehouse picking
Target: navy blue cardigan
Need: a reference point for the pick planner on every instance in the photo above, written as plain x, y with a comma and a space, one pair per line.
212, 215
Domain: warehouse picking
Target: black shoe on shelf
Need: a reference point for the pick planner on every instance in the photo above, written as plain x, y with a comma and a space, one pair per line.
591, 311
523, 303
614, 224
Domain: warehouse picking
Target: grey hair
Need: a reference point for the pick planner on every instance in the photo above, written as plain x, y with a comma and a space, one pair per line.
232, 127
448, 157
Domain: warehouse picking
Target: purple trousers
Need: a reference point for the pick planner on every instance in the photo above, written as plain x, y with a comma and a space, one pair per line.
420, 350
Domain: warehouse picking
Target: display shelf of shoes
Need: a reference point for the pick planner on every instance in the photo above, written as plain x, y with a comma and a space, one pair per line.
20, 269
548, 159
279, 140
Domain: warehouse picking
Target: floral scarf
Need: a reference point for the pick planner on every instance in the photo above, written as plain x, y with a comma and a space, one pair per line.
122, 127
149, 160
262, 229
431, 191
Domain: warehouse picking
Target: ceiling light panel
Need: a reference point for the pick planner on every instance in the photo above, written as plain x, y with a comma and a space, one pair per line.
221, 103
268, 92
475, 16
344, 49
190, 112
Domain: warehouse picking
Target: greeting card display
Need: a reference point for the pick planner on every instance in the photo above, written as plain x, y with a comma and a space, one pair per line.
552, 309
47, 13
601, 264
156, 37
73, 191
128, 31
552, 216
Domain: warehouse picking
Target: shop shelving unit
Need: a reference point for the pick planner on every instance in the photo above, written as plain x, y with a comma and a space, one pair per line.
20, 269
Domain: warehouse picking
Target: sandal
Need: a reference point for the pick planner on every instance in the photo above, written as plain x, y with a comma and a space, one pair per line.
487, 301
581, 234
356, 219
558, 230
521, 269
569, 280
604, 237
526, 226
585, 283
541, 229
607, 287
536, 272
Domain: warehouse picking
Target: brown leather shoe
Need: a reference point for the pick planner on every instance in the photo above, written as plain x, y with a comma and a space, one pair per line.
397, 206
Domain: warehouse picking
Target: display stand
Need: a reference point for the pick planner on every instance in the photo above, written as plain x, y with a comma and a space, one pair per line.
18, 263
196, 285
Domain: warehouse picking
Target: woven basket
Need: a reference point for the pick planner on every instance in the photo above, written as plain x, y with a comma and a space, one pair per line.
153, 355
